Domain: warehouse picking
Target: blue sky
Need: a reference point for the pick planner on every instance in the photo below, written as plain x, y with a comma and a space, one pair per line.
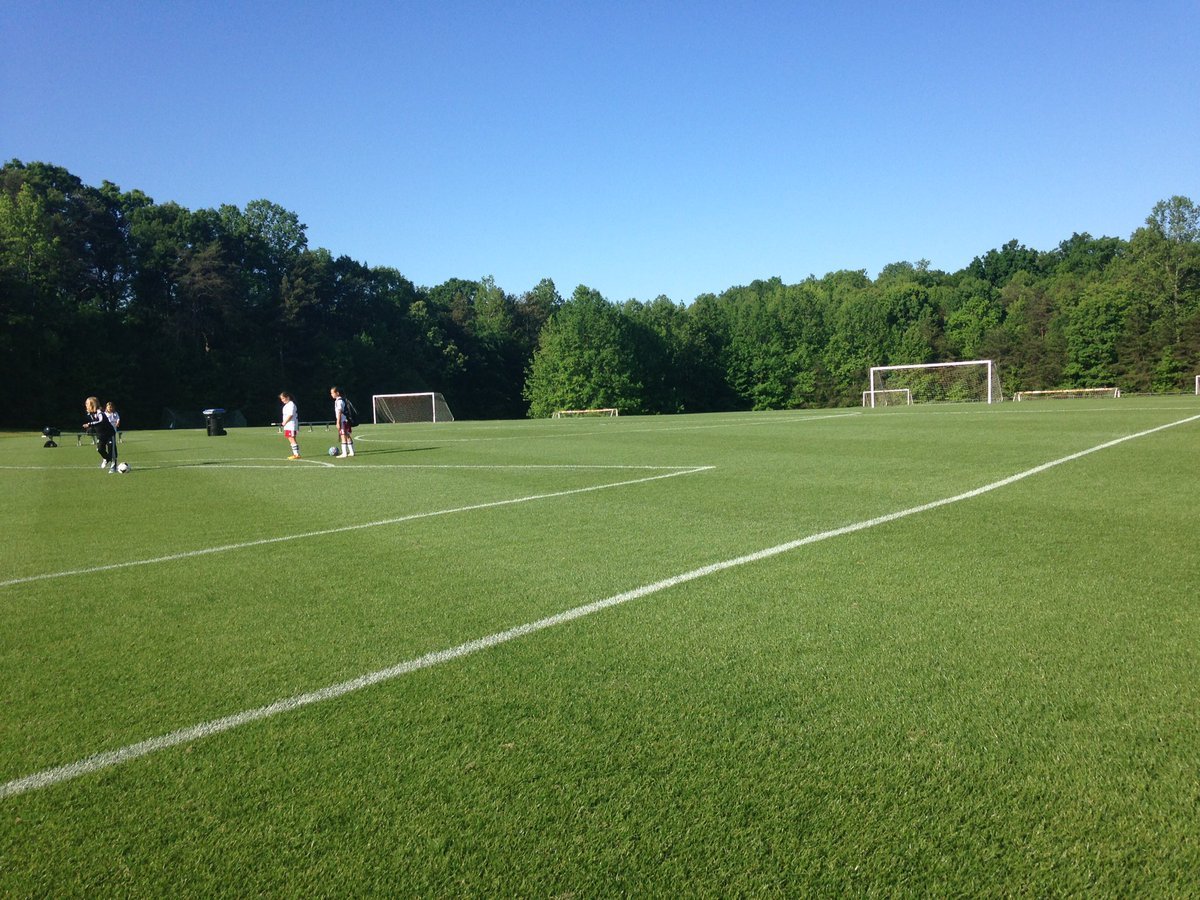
638, 148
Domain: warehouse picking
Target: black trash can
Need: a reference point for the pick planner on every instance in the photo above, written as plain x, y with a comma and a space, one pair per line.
215, 419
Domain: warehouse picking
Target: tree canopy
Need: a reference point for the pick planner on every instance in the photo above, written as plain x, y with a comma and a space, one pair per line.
107, 292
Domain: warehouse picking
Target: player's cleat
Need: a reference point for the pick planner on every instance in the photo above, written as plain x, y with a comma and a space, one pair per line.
112, 471
104, 463
294, 456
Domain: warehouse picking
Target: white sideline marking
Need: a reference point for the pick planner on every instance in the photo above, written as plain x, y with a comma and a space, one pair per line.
105, 760
261, 542
730, 423
246, 463
353, 467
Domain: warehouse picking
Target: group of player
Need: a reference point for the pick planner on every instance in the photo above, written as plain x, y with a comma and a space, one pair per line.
341, 418
103, 425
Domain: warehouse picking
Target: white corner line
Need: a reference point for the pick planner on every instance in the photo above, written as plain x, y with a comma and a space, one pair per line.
111, 758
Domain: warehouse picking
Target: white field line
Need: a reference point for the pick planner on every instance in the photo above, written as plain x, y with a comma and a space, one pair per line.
732, 423
105, 760
249, 463
261, 542
351, 467
1044, 409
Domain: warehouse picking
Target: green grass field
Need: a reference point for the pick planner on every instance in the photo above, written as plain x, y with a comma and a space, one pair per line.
230, 674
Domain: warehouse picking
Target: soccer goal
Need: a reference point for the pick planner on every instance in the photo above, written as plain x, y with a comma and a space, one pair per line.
607, 411
969, 380
888, 397
400, 408
1068, 394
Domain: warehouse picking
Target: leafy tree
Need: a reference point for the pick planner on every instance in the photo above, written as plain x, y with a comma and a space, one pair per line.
265, 240
492, 383
970, 324
777, 338
998, 266
531, 311
1092, 333
1082, 254
1032, 333
1169, 373
708, 341
677, 369
584, 359
1167, 251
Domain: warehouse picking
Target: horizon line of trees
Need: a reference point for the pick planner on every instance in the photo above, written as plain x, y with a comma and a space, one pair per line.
155, 306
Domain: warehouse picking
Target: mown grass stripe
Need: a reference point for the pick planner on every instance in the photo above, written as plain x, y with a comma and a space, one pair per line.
262, 542
108, 759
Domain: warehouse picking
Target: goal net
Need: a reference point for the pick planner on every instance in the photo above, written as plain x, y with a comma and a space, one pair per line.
975, 380
400, 408
888, 397
1068, 394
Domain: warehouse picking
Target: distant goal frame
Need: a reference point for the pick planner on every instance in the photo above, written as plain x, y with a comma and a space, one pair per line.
1068, 394
869, 397
439, 409
992, 377
600, 412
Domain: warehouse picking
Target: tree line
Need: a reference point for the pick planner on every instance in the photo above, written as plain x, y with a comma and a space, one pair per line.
155, 306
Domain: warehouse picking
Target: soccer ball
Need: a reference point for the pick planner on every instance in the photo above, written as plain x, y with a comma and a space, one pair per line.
333, 451
123, 468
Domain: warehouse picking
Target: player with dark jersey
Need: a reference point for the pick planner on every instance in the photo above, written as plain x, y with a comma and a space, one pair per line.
101, 429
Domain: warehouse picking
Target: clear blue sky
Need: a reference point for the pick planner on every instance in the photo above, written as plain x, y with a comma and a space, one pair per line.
640, 148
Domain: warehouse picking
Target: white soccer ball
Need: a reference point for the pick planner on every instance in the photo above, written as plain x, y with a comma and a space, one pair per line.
333, 451
123, 468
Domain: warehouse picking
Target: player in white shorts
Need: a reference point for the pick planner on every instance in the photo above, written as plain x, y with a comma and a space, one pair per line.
341, 416
290, 423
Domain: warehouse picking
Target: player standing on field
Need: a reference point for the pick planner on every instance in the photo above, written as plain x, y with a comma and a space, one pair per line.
344, 428
115, 417
291, 423
99, 427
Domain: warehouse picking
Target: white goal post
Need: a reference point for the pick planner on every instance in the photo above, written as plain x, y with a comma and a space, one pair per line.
607, 411
1068, 393
888, 397
1198, 385
400, 408
966, 380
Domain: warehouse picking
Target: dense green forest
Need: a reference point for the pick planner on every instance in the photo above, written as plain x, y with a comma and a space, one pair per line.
156, 306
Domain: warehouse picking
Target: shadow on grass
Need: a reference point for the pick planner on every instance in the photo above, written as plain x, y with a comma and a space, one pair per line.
153, 466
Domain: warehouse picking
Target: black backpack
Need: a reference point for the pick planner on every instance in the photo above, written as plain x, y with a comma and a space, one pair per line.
349, 413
